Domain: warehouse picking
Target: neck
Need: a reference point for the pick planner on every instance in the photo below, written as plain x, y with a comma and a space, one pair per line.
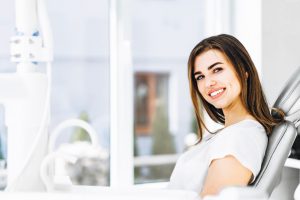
236, 113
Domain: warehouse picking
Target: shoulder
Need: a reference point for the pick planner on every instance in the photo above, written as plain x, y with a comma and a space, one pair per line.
243, 136
244, 131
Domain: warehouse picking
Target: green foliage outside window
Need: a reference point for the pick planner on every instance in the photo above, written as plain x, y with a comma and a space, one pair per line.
79, 133
163, 143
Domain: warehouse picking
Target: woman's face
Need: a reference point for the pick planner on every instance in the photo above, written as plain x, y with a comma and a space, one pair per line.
217, 80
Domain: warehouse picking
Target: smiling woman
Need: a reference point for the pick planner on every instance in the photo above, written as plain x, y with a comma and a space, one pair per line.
224, 80
224, 63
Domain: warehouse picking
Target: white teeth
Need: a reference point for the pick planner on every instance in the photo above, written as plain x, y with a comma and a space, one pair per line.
216, 92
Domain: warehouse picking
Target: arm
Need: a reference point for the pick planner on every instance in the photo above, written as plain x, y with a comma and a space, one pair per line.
227, 171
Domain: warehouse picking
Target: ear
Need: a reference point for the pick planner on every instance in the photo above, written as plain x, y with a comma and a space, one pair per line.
247, 75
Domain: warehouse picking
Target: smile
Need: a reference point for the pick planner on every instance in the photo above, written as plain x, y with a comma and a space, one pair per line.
216, 93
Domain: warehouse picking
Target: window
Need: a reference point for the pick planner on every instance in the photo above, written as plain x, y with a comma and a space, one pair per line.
81, 77
152, 134
151, 94
161, 43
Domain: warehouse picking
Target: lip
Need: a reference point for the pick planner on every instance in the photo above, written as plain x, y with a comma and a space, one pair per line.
218, 95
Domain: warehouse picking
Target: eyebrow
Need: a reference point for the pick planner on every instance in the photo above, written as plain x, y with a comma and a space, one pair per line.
209, 68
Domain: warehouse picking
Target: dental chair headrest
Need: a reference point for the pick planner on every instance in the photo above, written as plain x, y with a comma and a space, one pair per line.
289, 99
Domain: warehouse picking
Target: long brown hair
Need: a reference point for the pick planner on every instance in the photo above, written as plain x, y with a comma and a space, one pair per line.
252, 95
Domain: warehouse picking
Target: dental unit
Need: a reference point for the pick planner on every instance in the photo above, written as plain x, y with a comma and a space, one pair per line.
25, 95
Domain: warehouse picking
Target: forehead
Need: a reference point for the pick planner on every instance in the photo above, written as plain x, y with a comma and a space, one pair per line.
207, 58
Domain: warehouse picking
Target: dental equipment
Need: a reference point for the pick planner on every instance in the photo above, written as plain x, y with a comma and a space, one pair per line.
27, 100
26, 96
59, 157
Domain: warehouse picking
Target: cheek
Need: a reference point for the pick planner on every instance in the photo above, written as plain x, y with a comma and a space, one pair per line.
201, 88
234, 82
236, 87
202, 91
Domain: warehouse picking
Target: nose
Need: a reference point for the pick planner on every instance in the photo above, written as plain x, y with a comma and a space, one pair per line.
209, 82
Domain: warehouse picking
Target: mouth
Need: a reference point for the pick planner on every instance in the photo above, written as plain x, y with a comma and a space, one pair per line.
216, 93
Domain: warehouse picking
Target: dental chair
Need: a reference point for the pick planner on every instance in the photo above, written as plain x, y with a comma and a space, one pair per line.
283, 136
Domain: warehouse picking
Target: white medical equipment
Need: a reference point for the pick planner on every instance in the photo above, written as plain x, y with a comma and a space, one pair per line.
25, 96
27, 99
62, 155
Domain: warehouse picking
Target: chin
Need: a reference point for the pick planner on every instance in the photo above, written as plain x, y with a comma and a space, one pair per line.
219, 106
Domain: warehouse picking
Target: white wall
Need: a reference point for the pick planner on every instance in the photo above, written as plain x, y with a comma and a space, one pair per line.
280, 58
280, 43
247, 27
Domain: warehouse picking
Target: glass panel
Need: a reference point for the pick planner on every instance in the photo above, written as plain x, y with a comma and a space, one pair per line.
163, 112
81, 81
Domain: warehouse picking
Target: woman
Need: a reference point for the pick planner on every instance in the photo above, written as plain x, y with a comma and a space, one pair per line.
224, 81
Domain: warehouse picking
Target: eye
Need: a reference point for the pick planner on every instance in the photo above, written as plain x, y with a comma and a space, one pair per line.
198, 78
217, 69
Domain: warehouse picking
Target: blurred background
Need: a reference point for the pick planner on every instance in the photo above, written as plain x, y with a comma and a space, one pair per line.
155, 38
